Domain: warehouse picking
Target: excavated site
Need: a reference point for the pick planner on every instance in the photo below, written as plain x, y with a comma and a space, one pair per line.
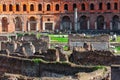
29, 58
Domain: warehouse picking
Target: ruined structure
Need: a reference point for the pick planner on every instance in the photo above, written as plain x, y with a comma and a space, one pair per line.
99, 42
40, 15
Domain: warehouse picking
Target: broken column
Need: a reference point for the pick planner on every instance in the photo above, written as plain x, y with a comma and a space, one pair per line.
75, 19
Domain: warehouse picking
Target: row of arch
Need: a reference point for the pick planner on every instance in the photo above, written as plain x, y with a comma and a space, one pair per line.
57, 7
83, 23
92, 6
66, 23
18, 24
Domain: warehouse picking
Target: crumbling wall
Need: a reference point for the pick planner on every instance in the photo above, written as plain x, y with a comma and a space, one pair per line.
92, 57
28, 67
100, 42
18, 66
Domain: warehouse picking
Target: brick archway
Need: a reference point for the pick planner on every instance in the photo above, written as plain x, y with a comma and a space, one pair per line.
100, 22
4, 24
83, 23
66, 23
18, 24
115, 22
32, 23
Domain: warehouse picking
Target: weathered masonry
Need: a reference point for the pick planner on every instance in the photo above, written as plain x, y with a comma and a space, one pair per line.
40, 15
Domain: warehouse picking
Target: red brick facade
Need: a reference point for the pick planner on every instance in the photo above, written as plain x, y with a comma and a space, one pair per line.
39, 15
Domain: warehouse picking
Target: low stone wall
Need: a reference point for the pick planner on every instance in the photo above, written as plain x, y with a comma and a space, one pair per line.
115, 44
18, 66
27, 67
92, 58
100, 42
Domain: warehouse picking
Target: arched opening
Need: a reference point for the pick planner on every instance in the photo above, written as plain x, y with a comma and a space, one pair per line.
48, 7
40, 7
83, 23
83, 6
100, 22
10, 7
91, 6
57, 7
66, 23
4, 24
33, 24
115, 21
100, 6
24, 7
74, 6
18, 24
4, 7
108, 6
31, 7
17, 7
115, 6
66, 7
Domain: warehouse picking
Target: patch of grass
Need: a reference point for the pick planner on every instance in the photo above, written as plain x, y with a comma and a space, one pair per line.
58, 38
38, 60
38, 35
65, 48
117, 48
20, 34
98, 67
118, 38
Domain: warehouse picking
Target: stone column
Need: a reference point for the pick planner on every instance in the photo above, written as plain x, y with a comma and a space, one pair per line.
28, 26
70, 26
95, 25
104, 25
0, 25
118, 25
75, 19
110, 25
61, 26
88, 24
78, 26
0, 46
37, 26
22, 26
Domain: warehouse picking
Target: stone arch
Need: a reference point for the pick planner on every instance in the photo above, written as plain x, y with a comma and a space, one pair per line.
100, 6
66, 7
57, 7
91, 6
18, 24
24, 7
108, 6
31, 7
74, 6
10, 7
48, 7
83, 6
17, 7
66, 23
32, 23
83, 22
115, 6
4, 7
115, 21
4, 24
100, 22
39, 7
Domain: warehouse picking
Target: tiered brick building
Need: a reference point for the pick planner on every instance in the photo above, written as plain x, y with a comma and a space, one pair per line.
40, 15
